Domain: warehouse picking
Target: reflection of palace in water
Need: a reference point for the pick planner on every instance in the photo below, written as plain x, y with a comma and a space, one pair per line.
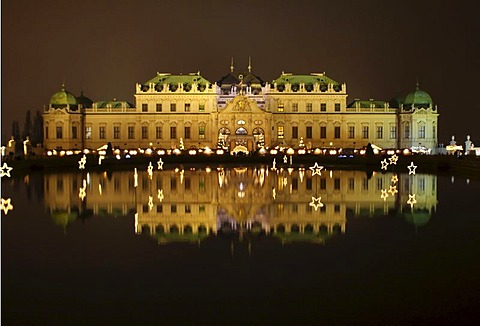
292, 204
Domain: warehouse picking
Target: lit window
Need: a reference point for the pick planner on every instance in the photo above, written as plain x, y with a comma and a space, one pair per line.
201, 132
88, 132
59, 132
280, 132
309, 107
241, 122
421, 131
393, 132
379, 132
187, 107
280, 107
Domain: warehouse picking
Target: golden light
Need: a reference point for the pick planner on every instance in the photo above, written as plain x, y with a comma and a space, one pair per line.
317, 151
332, 152
220, 152
176, 151
207, 151
302, 151
192, 152
273, 151
290, 151
148, 151
161, 152
86, 151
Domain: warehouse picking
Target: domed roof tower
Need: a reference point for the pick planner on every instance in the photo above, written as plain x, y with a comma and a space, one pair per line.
63, 99
418, 99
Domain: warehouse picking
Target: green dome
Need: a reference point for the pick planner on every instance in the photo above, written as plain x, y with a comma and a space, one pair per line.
418, 99
63, 98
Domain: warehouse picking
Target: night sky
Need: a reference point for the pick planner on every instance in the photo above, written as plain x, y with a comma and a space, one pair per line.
379, 48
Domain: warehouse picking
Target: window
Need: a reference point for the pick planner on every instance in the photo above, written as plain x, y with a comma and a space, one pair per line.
144, 107
337, 132
294, 184
308, 132
280, 132
351, 184
101, 132
295, 107
74, 132
173, 132
336, 183
173, 107
323, 107
393, 132
201, 183
46, 132
159, 107
201, 132
188, 209
407, 130
351, 132
173, 183
365, 132
309, 184
59, 132
201, 208
131, 132
187, 132
88, 132
421, 131
159, 208
187, 107
158, 132
280, 107
201, 107
379, 132
116, 132
309, 107
323, 132
294, 132
173, 208
365, 184
379, 184
187, 183
337, 107
434, 132
144, 132
336, 208
323, 184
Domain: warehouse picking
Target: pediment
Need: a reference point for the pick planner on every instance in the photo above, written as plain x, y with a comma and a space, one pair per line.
242, 104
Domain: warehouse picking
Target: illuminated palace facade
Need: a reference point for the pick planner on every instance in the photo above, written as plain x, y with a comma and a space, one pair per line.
240, 110
189, 205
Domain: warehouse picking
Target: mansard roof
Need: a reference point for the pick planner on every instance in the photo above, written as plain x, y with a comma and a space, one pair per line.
112, 104
313, 78
234, 79
167, 78
367, 104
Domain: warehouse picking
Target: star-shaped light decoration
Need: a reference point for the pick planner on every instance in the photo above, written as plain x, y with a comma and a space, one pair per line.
135, 178
316, 203
384, 164
100, 158
393, 159
411, 168
285, 159
160, 195
394, 178
384, 194
5, 170
411, 200
7, 205
82, 191
81, 163
150, 170
316, 169
160, 164
150, 202
393, 190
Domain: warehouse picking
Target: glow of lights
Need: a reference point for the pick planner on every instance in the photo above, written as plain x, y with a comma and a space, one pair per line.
102, 152
274, 164
362, 152
82, 162
181, 176
207, 151
331, 174
274, 193
317, 151
69, 152
49, 153
133, 152
285, 159
220, 152
192, 152
411, 168
62, 153
391, 152
273, 152
285, 182
161, 152
393, 190
25, 143
316, 203
88, 178
160, 164
302, 151
375, 151
241, 194
10, 142
384, 164
100, 188
116, 152
291, 160
406, 151
301, 173
160, 195
262, 151
393, 159
208, 169
316, 169
332, 152
411, 200
82, 191
394, 178
7, 205
5, 170
150, 202
148, 151
290, 171
176, 151
290, 151
135, 178
86, 151
3, 150
117, 156
136, 222
100, 158
150, 170
384, 194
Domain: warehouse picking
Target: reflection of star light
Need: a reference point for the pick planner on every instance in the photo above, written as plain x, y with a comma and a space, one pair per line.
81, 163
150, 202
393, 190
394, 178
384, 164
150, 170
384, 194
316, 203
393, 159
160, 195
274, 193
411, 168
7, 205
285, 159
82, 194
5, 170
136, 222
411, 200
135, 178
274, 164
316, 169
160, 164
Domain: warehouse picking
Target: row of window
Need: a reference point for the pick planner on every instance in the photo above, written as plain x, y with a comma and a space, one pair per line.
173, 107
308, 107
351, 132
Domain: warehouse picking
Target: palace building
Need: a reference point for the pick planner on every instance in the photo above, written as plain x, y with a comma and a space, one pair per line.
240, 110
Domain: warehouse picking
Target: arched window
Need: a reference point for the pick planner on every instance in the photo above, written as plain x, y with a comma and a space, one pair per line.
224, 131
241, 131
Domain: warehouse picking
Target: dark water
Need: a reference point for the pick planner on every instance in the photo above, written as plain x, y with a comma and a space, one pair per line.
240, 246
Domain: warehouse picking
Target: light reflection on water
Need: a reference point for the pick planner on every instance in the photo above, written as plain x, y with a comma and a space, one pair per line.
239, 244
